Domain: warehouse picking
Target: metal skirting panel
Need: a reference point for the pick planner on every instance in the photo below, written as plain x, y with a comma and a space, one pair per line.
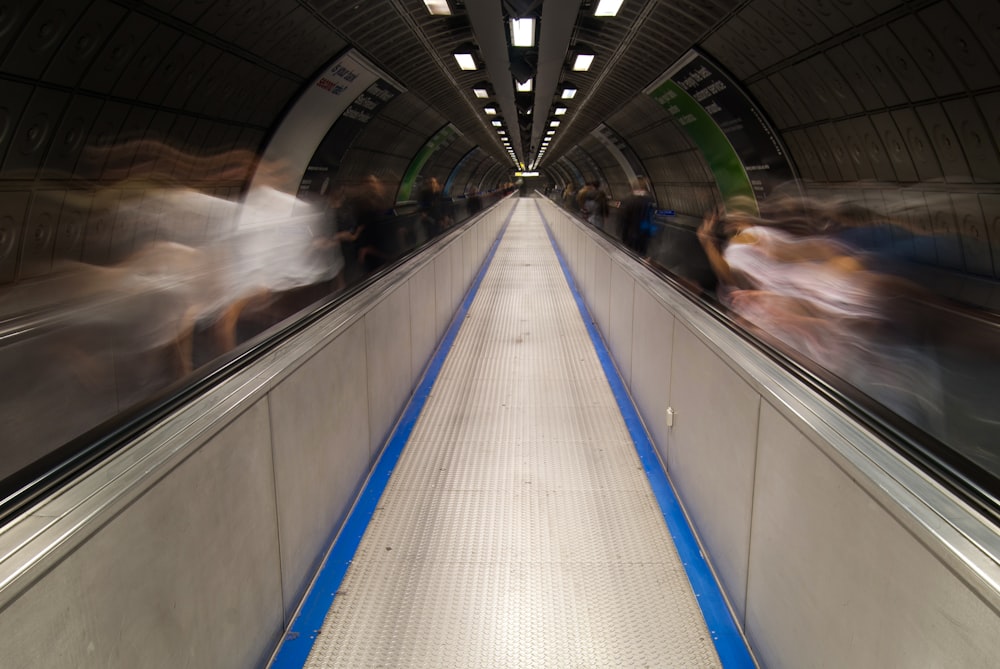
518, 528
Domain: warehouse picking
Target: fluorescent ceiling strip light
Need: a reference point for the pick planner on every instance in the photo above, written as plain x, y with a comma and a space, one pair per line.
465, 61
608, 8
522, 32
438, 7
583, 62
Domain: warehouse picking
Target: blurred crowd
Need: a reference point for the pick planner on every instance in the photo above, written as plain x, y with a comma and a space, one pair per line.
197, 274
834, 284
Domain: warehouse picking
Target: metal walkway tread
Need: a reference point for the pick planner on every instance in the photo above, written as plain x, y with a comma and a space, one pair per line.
518, 528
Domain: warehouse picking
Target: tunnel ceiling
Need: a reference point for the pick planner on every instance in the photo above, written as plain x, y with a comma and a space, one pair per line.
231, 67
631, 50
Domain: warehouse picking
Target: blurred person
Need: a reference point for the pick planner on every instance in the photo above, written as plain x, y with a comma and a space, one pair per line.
568, 195
635, 216
116, 332
585, 199
431, 204
367, 203
786, 273
474, 201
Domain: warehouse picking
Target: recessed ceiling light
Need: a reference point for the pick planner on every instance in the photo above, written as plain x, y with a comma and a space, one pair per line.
583, 62
481, 92
490, 110
497, 123
550, 132
554, 124
568, 93
523, 88
465, 59
522, 32
560, 111
438, 7
608, 8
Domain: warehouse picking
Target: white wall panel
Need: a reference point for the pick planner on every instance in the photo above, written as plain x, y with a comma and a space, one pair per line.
187, 575
621, 320
458, 286
653, 334
443, 290
601, 311
836, 581
321, 452
387, 337
424, 334
588, 272
712, 453
470, 250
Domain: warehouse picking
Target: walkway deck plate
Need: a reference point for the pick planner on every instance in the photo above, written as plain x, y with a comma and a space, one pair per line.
518, 528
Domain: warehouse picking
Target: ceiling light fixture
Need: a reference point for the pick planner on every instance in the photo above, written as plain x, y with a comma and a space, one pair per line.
464, 56
525, 87
568, 92
490, 110
522, 32
438, 7
559, 111
608, 8
582, 62
554, 124
497, 123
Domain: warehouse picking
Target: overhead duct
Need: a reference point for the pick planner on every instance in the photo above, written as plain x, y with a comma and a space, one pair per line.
522, 8
523, 63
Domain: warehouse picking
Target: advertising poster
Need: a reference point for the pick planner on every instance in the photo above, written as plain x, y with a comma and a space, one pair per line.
439, 140
320, 106
740, 147
326, 161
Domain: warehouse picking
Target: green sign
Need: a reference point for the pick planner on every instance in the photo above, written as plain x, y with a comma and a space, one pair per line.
738, 143
441, 138
715, 147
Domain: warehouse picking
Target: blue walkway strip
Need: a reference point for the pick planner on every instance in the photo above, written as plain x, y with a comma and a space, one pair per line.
729, 642
298, 641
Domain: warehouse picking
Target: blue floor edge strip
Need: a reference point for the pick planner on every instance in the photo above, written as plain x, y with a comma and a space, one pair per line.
726, 635
300, 637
